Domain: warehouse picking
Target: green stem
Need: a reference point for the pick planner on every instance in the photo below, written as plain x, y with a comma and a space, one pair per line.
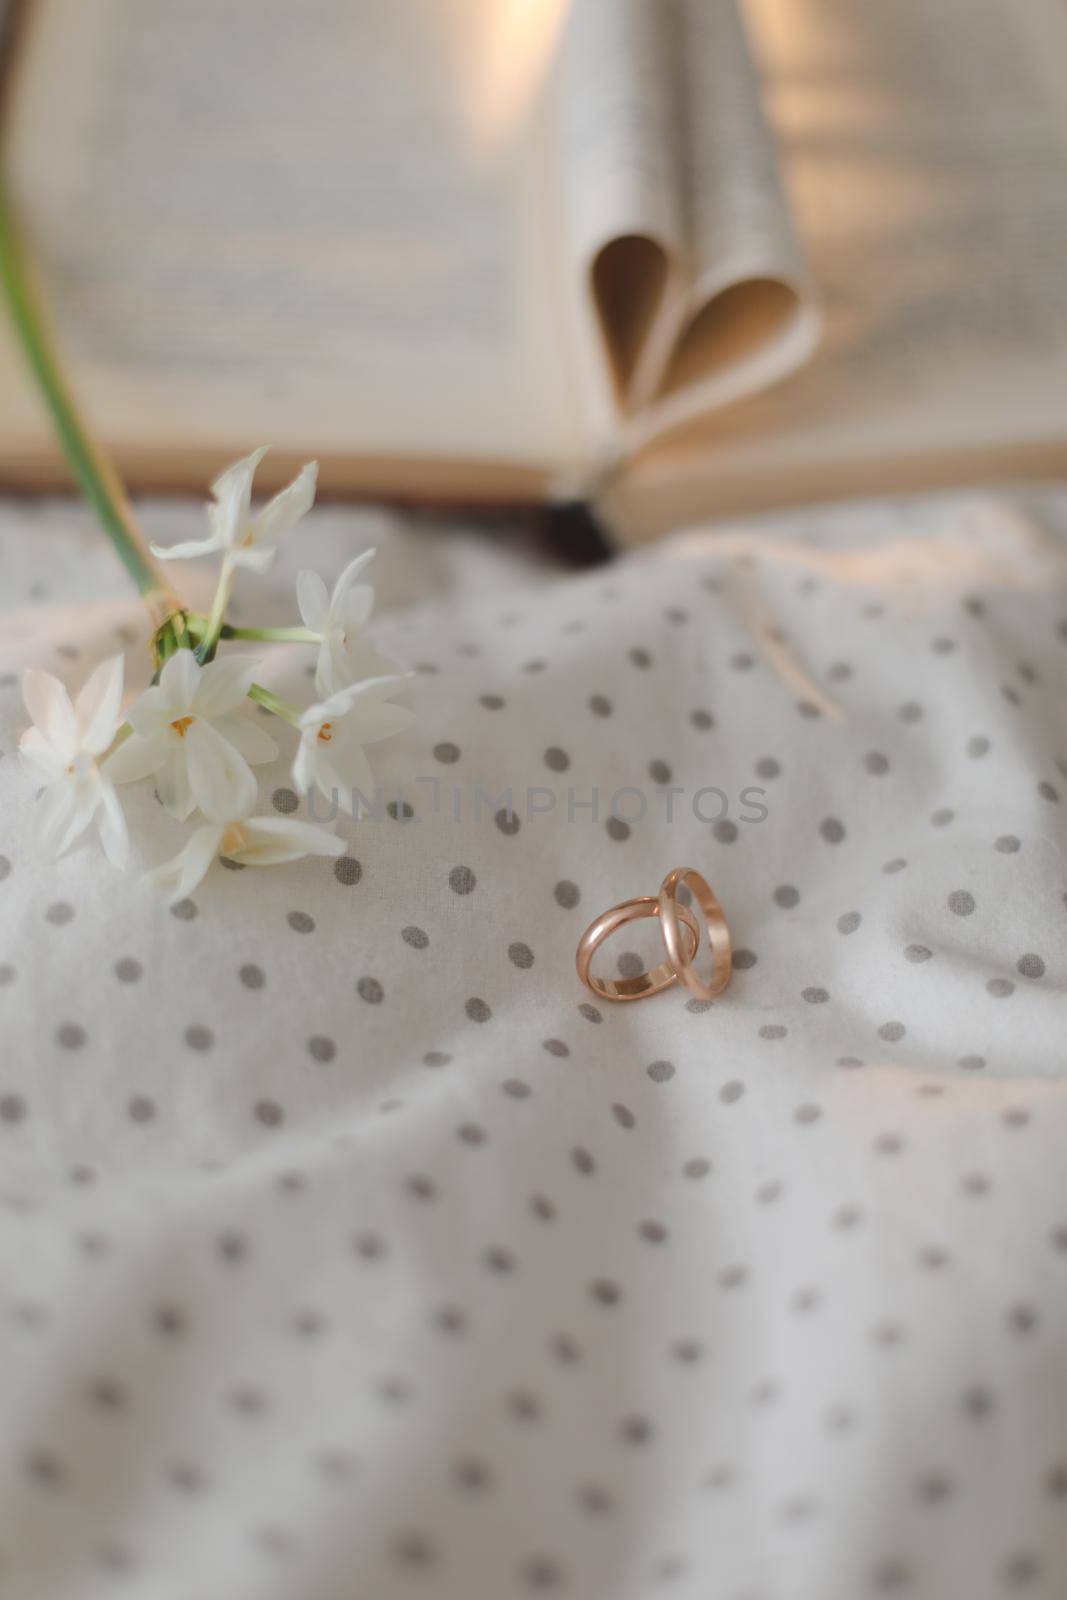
271, 702
96, 476
273, 635
205, 650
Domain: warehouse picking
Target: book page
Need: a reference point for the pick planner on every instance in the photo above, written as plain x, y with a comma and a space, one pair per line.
326, 225
926, 148
684, 252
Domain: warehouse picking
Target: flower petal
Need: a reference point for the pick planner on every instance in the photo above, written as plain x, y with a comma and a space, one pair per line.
178, 680
303, 771
285, 510
189, 549
248, 737
41, 761
135, 758
349, 576
273, 840
98, 707
222, 685
232, 490
352, 611
51, 819
255, 558
111, 825
313, 600
48, 704
342, 666
153, 712
380, 719
179, 877
222, 782
172, 784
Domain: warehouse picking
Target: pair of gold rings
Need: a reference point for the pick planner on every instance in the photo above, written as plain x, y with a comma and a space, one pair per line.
673, 917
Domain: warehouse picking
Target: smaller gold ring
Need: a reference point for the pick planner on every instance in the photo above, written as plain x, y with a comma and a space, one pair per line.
645, 983
671, 910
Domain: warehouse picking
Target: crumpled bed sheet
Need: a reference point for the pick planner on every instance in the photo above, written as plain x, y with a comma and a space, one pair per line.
350, 1251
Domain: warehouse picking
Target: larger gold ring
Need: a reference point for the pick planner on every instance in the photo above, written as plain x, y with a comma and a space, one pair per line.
644, 983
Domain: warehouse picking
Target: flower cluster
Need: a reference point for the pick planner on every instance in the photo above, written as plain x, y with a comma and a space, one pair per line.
191, 732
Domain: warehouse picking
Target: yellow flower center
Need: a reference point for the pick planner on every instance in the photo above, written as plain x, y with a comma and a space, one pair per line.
325, 733
181, 724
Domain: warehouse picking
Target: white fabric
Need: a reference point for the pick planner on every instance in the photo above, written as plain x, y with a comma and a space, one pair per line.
348, 1251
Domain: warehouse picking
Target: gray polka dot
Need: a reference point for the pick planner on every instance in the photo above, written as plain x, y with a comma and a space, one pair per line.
659, 772
140, 1108
447, 753
517, 1088
640, 658
400, 810
724, 831
617, 829
128, 970
415, 937
59, 914
300, 922
848, 922
605, 1292
1000, 988
1048, 791
285, 801
661, 1071
971, 1063
786, 896
1030, 966
252, 977
807, 1114
600, 705
590, 1013
896, 865
623, 1116
815, 996
1008, 844
321, 1048
582, 1161
701, 720
911, 711
696, 1167
978, 747
492, 702
12, 1108
5, 868
509, 822
567, 894
876, 763
942, 818
347, 870
184, 910
269, 1113
832, 830
555, 1047
520, 955
961, 903
744, 961
461, 880
370, 990
477, 1010
436, 1058
71, 1035
917, 952
731, 1092
772, 1030
197, 1037
556, 760
7, 974
767, 767
892, 1032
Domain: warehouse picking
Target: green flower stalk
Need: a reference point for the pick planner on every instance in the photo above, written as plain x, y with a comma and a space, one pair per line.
95, 475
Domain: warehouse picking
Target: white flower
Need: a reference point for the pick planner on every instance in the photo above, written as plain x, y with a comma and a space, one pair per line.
189, 735
345, 654
61, 751
244, 540
331, 756
253, 841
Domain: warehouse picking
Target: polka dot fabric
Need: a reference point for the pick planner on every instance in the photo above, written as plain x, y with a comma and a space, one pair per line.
350, 1249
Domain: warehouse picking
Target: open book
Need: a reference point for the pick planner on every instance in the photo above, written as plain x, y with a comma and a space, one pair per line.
532, 249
